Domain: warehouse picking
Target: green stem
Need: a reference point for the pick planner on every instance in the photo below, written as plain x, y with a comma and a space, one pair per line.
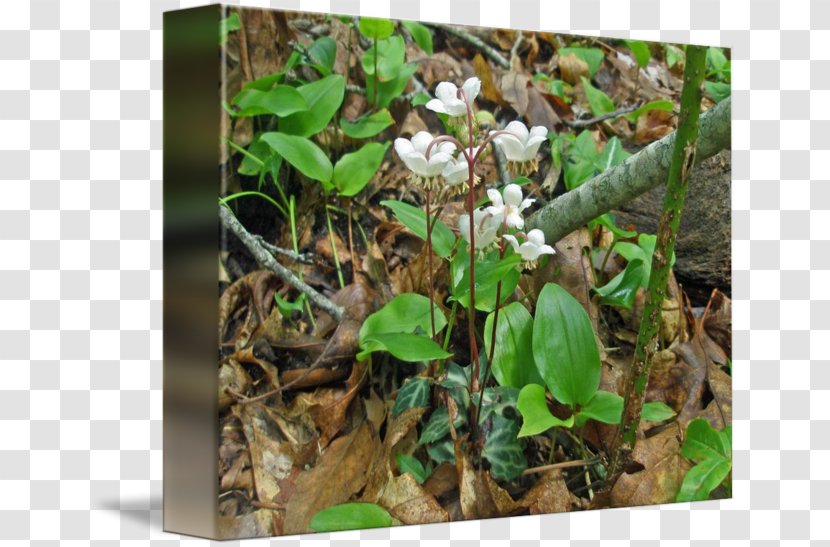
683, 159
292, 218
334, 248
227, 199
450, 324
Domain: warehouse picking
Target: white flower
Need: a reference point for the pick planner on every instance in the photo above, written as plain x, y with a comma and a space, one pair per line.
448, 101
457, 174
533, 248
520, 145
413, 154
512, 205
486, 227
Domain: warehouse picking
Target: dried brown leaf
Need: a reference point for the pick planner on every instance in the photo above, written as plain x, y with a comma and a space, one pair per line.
548, 495
572, 68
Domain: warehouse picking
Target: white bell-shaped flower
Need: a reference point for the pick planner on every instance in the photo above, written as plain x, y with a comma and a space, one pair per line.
511, 207
532, 249
413, 154
520, 146
457, 174
486, 227
447, 100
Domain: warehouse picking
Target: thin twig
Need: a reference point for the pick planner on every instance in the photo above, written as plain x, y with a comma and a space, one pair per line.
578, 124
231, 223
464, 35
303, 258
561, 465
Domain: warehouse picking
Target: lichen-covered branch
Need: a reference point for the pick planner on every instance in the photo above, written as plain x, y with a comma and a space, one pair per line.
232, 224
682, 162
640, 173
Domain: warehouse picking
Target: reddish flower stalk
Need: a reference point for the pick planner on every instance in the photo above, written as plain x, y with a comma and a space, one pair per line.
429, 265
474, 385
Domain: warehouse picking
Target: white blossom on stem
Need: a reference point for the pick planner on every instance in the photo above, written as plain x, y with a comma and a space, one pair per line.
520, 145
447, 100
532, 249
486, 227
413, 154
511, 207
457, 174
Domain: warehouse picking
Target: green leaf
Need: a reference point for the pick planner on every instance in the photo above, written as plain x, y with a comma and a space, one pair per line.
718, 91
513, 354
282, 100
608, 221
350, 516
591, 55
413, 348
580, 158
716, 61
613, 154
438, 425
644, 251
622, 290
367, 126
604, 406
442, 451
391, 54
704, 477
487, 276
535, 413
324, 52
668, 106
600, 102
354, 170
420, 99
413, 393
227, 25
286, 307
375, 29
303, 154
703, 442
324, 98
407, 313
411, 464
656, 412
413, 218
503, 449
564, 346
269, 161
640, 51
674, 55
389, 90
421, 34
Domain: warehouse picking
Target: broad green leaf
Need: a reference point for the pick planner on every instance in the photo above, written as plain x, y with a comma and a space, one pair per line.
657, 412
391, 54
580, 157
704, 477
622, 290
269, 160
282, 100
442, 451
644, 250
375, 29
640, 51
413, 393
716, 61
535, 413
503, 449
413, 348
421, 34
367, 126
591, 55
420, 99
323, 98
287, 308
608, 221
389, 90
564, 347
354, 170
438, 425
412, 465
668, 106
600, 102
613, 154
703, 442
674, 55
323, 52
513, 354
227, 25
407, 313
717, 90
303, 154
604, 406
350, 516
413, 218
487, 276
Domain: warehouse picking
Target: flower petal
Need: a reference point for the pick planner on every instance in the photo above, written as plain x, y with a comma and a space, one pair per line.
546, 250
436, 106
515, 220
526, 203
511, 146
538, 131
447, 92
421, 140
471, 89
513, 241
416, 163
519, 129
536, 236
464, 227
529, 251
513, 195
403, 146
495, 198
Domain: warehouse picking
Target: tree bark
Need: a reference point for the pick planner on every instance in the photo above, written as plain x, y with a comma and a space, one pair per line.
640, 173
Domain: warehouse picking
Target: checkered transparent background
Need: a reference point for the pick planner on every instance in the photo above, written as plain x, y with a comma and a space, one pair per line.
81, 259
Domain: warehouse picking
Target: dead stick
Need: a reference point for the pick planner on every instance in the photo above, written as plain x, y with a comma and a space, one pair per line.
561, 465
464, 35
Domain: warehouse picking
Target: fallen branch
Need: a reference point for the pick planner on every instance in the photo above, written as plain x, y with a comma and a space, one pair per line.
231, 223
303, 258
638, 174
561, 465
474, 41
579, 124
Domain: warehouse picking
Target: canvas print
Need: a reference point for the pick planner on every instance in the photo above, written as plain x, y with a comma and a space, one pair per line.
467, 273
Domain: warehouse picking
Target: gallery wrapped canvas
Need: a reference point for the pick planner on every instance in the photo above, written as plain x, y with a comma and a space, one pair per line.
422, 273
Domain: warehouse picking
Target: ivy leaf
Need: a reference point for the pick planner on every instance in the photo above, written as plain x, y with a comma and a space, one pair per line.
421, 34
438, 425
604, 406
375, 29
351, 516
324, 98
536, 416
657, 412
415, 219
302, 154
411, 464
354, 170
622, 290
413, 393
413, 348
640, 51
503, 449
564, 347
442, 451
282, 100
704, 477
600, 103
367, 126
513, 354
